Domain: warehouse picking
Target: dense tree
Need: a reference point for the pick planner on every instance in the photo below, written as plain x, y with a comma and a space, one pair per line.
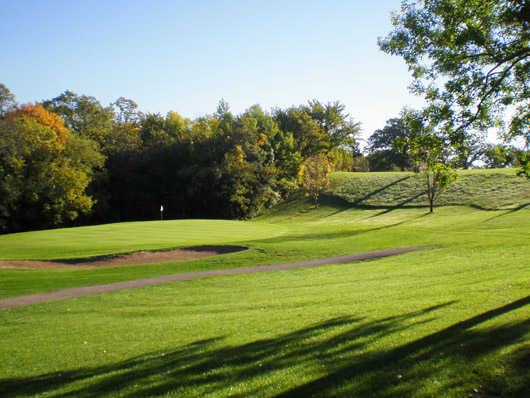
524, 162
42, 116
497, 156
84, 116
342, 159
468, 151
340, 130
384, 153
470, 59
157, 130
310, 138
314, 175
318, 128
44, 171
218, 165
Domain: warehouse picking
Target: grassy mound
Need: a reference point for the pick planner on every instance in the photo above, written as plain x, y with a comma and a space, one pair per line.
485, 189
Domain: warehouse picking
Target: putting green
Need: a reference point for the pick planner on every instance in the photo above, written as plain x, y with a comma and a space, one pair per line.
129, 237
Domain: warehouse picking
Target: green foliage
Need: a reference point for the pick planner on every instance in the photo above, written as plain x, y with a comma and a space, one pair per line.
221, 165
85, 117
384, 153
43, 176
345, 159
318, 128
427, 153
216, 166
496, 156
470, 61
524, 162
7, 100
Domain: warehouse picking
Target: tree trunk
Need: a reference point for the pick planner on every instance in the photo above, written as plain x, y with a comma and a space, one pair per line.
430, 191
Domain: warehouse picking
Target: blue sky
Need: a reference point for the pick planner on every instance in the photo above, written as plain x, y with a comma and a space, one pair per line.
187, 55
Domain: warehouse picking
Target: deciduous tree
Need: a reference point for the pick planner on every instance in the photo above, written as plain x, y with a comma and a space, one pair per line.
84, 116
44, 171
383, 151
470, 59
314, 175
7, 100
429, 153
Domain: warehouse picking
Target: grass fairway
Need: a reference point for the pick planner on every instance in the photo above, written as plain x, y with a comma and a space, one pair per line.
453, 321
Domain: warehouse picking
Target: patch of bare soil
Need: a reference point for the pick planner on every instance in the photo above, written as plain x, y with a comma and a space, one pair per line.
143, 257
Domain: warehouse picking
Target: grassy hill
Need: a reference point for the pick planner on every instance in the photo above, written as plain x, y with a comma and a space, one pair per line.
447, 322
485, 189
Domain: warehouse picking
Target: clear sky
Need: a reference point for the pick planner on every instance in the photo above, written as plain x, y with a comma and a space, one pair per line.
187, 55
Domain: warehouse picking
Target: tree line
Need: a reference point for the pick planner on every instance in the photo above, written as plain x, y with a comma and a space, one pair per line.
71, 160
388, 149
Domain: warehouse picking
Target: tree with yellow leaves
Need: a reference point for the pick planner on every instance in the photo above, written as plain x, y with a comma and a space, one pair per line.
314, 175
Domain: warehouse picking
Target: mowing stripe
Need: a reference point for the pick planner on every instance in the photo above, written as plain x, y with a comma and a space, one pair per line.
21, 301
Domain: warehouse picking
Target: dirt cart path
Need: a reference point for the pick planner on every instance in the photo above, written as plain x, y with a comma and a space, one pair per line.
30, 299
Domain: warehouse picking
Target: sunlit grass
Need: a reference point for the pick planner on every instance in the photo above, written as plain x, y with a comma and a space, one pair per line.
450, 321
442, 322
486, 189
127, 237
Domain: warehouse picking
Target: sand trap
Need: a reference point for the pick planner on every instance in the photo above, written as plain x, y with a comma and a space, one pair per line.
142, 257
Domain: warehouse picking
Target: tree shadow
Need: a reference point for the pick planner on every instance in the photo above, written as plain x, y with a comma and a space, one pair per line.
327, 235
338, 346
377, 191
508, 212
401, 206
455, 343
298, 204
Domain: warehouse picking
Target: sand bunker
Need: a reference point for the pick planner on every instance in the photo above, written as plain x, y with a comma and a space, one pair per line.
142, 257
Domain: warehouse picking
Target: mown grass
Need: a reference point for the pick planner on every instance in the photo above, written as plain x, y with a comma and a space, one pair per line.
486, 189
308, 233
69, 243
451, 321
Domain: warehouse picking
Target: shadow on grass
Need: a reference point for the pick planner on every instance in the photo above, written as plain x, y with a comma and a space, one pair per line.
508, 212
300, 204
338, 352
327, 235
377, 191
400, 205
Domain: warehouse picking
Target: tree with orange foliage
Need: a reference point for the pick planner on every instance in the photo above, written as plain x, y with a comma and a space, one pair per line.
42, 116
44, 170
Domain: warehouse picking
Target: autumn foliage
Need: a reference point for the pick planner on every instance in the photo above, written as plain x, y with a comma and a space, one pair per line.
44, 170
43, 117
314, 175
71, 159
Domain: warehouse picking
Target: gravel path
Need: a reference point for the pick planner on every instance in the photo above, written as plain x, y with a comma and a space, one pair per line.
30, 299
